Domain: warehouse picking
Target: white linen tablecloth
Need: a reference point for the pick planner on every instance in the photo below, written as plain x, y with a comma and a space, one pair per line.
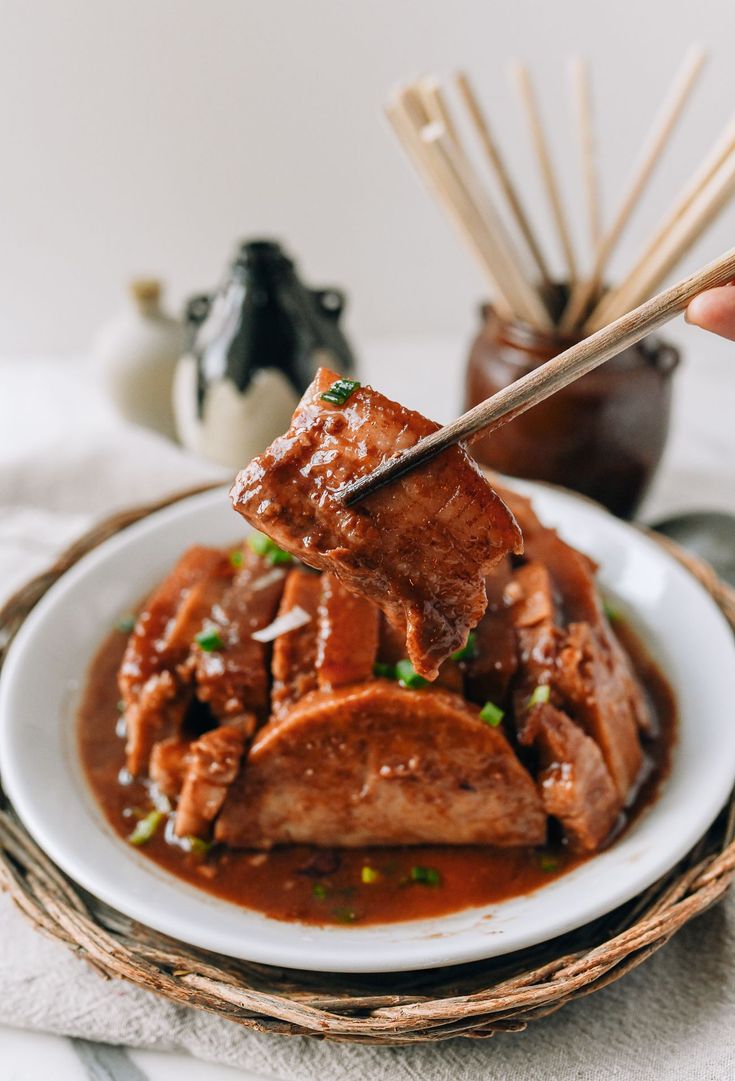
64, 462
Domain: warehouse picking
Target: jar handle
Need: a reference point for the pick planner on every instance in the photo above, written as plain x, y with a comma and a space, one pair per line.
665, 358
332, 301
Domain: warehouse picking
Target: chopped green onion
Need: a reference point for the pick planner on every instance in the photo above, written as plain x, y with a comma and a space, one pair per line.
344, 915
369, 875
319, 890
468, 651
611, 611
340, 391
491, 714
387, 671
146, 827
266, 548
199, 846
548, 864
407, 675
125, 624
236, 557
209, 640
427, 876
120, 706
541, 694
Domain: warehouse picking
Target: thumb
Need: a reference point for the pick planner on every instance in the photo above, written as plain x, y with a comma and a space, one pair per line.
714, 311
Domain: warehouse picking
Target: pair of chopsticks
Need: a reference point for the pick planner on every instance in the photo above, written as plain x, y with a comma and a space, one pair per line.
550, 377
447, 133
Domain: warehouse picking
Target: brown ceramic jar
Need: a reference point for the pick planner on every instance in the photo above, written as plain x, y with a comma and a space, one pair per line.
603, 435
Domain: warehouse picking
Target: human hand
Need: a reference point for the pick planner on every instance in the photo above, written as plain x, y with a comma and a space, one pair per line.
715, 311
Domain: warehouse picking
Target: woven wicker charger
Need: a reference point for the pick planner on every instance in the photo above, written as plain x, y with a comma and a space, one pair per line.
477, 1000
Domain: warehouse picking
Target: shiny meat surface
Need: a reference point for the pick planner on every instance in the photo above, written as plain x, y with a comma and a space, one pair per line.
420, 548
593, 689
167, 765
213, 762
233, 678
347, 643
490, 671
293, 664
377, 764
154, 693
574, 782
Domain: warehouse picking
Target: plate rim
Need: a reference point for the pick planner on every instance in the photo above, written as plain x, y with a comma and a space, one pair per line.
171, 925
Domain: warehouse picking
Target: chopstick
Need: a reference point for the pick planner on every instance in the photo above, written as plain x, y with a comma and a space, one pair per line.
579, 76
615, 303
679, 239
501, 173
522, 78
544, 381
650, 156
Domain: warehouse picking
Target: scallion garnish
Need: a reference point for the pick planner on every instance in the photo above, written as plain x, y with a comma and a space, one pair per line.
370, 875
491, 714
146, 827
387, 671
468, 652
236, 557
209, 640
426, 876
199, 846
340, 391
541, 694
407, 675
266, 548
610, 611
125, 624
548, 864
120, 706
319, 890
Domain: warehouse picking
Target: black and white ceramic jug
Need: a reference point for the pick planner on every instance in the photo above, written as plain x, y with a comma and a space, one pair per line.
253, 354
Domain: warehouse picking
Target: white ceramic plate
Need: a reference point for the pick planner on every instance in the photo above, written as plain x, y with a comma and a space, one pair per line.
45, 669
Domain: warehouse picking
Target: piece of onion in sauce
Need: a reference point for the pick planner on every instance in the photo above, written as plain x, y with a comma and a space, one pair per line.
289, 621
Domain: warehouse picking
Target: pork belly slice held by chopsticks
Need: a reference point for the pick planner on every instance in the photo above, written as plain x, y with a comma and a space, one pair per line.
420, 548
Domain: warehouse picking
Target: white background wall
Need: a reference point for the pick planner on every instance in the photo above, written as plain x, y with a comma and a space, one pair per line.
148, 135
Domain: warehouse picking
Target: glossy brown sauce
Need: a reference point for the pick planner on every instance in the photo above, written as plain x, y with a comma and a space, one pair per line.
324, 886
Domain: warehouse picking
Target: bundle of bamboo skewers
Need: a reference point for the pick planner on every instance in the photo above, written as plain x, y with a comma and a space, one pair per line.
494, 224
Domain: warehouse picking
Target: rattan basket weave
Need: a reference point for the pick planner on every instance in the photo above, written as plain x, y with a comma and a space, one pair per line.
471, 1000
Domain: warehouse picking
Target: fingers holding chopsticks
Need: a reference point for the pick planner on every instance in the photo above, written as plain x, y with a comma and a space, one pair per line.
714, 310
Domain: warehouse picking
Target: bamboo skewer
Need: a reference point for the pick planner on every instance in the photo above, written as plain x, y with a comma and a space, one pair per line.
456, 185
551, 377
436, 107
684, 233
649, 158
524, 86
456, 170
721, 151
459, 213
498, 167
582, 98
527, 301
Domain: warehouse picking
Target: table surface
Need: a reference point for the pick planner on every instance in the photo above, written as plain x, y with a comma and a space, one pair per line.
42, 398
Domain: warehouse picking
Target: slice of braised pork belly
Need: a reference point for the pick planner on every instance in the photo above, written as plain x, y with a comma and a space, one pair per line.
419, 548
577, 662
376, 764
212, 764
574, 782
233, 677
347, 643
155, 694
293, 664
